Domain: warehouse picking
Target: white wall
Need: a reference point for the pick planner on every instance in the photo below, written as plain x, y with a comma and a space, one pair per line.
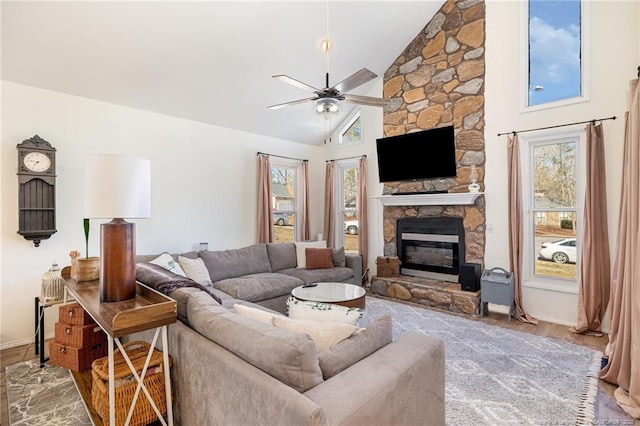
613, 62
203, 186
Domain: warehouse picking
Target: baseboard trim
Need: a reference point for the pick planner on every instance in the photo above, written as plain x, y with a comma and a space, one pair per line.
22, 342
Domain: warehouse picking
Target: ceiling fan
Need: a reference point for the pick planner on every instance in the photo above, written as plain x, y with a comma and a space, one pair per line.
327, 99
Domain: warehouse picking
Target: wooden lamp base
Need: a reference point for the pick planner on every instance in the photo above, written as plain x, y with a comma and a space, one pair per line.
117, 261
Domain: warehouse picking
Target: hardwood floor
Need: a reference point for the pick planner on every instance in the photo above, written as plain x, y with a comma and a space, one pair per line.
15, 355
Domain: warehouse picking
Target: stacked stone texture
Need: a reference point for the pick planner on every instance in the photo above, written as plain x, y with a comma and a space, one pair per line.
439, 81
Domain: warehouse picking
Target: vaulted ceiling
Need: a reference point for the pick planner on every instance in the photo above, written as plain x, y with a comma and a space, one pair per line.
210, 62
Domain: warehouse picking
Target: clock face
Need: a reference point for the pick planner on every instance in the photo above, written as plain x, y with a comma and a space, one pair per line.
37, 162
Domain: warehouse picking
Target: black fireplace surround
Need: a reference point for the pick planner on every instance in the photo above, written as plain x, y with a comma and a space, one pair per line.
431, 247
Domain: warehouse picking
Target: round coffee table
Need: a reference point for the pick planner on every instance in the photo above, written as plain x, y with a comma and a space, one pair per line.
343, 294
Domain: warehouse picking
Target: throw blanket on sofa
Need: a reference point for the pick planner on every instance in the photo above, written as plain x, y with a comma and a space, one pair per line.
165, 281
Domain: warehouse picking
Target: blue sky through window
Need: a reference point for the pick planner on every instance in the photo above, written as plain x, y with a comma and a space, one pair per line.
554, 50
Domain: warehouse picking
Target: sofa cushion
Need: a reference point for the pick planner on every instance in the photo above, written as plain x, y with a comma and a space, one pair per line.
262, 315
258, 287
235, 263
359, 346
339, 257
169, 263
319, 258
324, 334
181, 297
281, 256
301, 246
165, 281
318, 311
320, 275
289, 357
195, 269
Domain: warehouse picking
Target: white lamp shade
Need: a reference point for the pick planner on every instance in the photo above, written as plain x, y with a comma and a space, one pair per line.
117, 187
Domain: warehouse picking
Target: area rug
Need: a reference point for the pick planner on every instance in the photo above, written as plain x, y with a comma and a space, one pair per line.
497, 376
43, 396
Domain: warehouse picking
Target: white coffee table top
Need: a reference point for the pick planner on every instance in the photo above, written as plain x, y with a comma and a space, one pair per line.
329, 292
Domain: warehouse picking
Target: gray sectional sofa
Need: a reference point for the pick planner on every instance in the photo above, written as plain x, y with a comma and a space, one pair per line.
229, 369
266, 273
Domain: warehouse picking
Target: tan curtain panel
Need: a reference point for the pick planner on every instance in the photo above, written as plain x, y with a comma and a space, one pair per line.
361, 201
595, 269
623, 368
329, 208
305, 233
515, 226
265, 212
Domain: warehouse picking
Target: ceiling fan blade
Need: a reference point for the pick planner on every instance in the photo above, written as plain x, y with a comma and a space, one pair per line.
286, 104
366, 100
294, 82
354, 80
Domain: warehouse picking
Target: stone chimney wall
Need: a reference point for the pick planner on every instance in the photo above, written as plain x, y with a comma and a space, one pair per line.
439, 81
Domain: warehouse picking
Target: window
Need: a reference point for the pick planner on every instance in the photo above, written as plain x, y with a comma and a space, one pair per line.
347, 222
352, 132
551, 180
284, 199
555, 46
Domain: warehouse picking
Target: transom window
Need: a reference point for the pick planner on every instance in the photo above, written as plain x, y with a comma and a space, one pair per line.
352, 132
284, 199
555, 47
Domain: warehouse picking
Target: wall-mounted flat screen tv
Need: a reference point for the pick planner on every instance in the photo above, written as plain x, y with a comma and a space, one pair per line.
427, 154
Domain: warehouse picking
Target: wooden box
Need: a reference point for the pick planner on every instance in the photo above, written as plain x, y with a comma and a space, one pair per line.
79, 335
388, 266
75, 359
74, 314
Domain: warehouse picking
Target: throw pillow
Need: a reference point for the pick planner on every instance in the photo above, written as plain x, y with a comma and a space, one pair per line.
324, 334
166, 261
323, 312
301, 255
319, 258
195, 269
339, 258
255, 313
165, 281
357, 347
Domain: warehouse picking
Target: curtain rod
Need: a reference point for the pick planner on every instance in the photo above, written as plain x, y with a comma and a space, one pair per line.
281, 156
348, 158
558, 125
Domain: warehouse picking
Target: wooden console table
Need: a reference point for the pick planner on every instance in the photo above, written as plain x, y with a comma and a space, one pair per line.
148, 310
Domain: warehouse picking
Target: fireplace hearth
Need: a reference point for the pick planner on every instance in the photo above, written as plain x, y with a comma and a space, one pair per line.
431, 247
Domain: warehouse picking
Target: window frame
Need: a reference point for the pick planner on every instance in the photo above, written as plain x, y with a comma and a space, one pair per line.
296, 165
341, 167
585, 19
357, 115
529, 254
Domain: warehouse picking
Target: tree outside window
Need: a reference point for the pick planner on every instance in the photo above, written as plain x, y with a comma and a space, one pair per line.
352, 132
554, 205
284, 202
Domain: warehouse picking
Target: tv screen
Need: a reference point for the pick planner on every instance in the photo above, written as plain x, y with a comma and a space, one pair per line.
427, 154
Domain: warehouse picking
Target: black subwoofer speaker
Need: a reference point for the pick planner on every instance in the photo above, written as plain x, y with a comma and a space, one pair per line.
470, 276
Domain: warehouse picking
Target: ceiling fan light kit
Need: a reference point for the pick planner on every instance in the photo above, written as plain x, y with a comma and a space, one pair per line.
327, 105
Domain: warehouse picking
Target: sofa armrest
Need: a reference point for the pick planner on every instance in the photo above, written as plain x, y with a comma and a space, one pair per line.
214, 386
402, 383
354, 261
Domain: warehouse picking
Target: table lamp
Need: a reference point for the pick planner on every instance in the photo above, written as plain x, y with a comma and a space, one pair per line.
117, 187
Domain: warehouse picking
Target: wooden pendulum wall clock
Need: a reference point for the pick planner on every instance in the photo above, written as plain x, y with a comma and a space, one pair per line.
37, 189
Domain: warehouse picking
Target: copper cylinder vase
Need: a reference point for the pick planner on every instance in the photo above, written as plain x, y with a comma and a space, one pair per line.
117, 261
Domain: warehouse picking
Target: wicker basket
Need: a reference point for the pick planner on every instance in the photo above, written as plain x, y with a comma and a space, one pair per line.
79, 335
74, 314
125, 389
